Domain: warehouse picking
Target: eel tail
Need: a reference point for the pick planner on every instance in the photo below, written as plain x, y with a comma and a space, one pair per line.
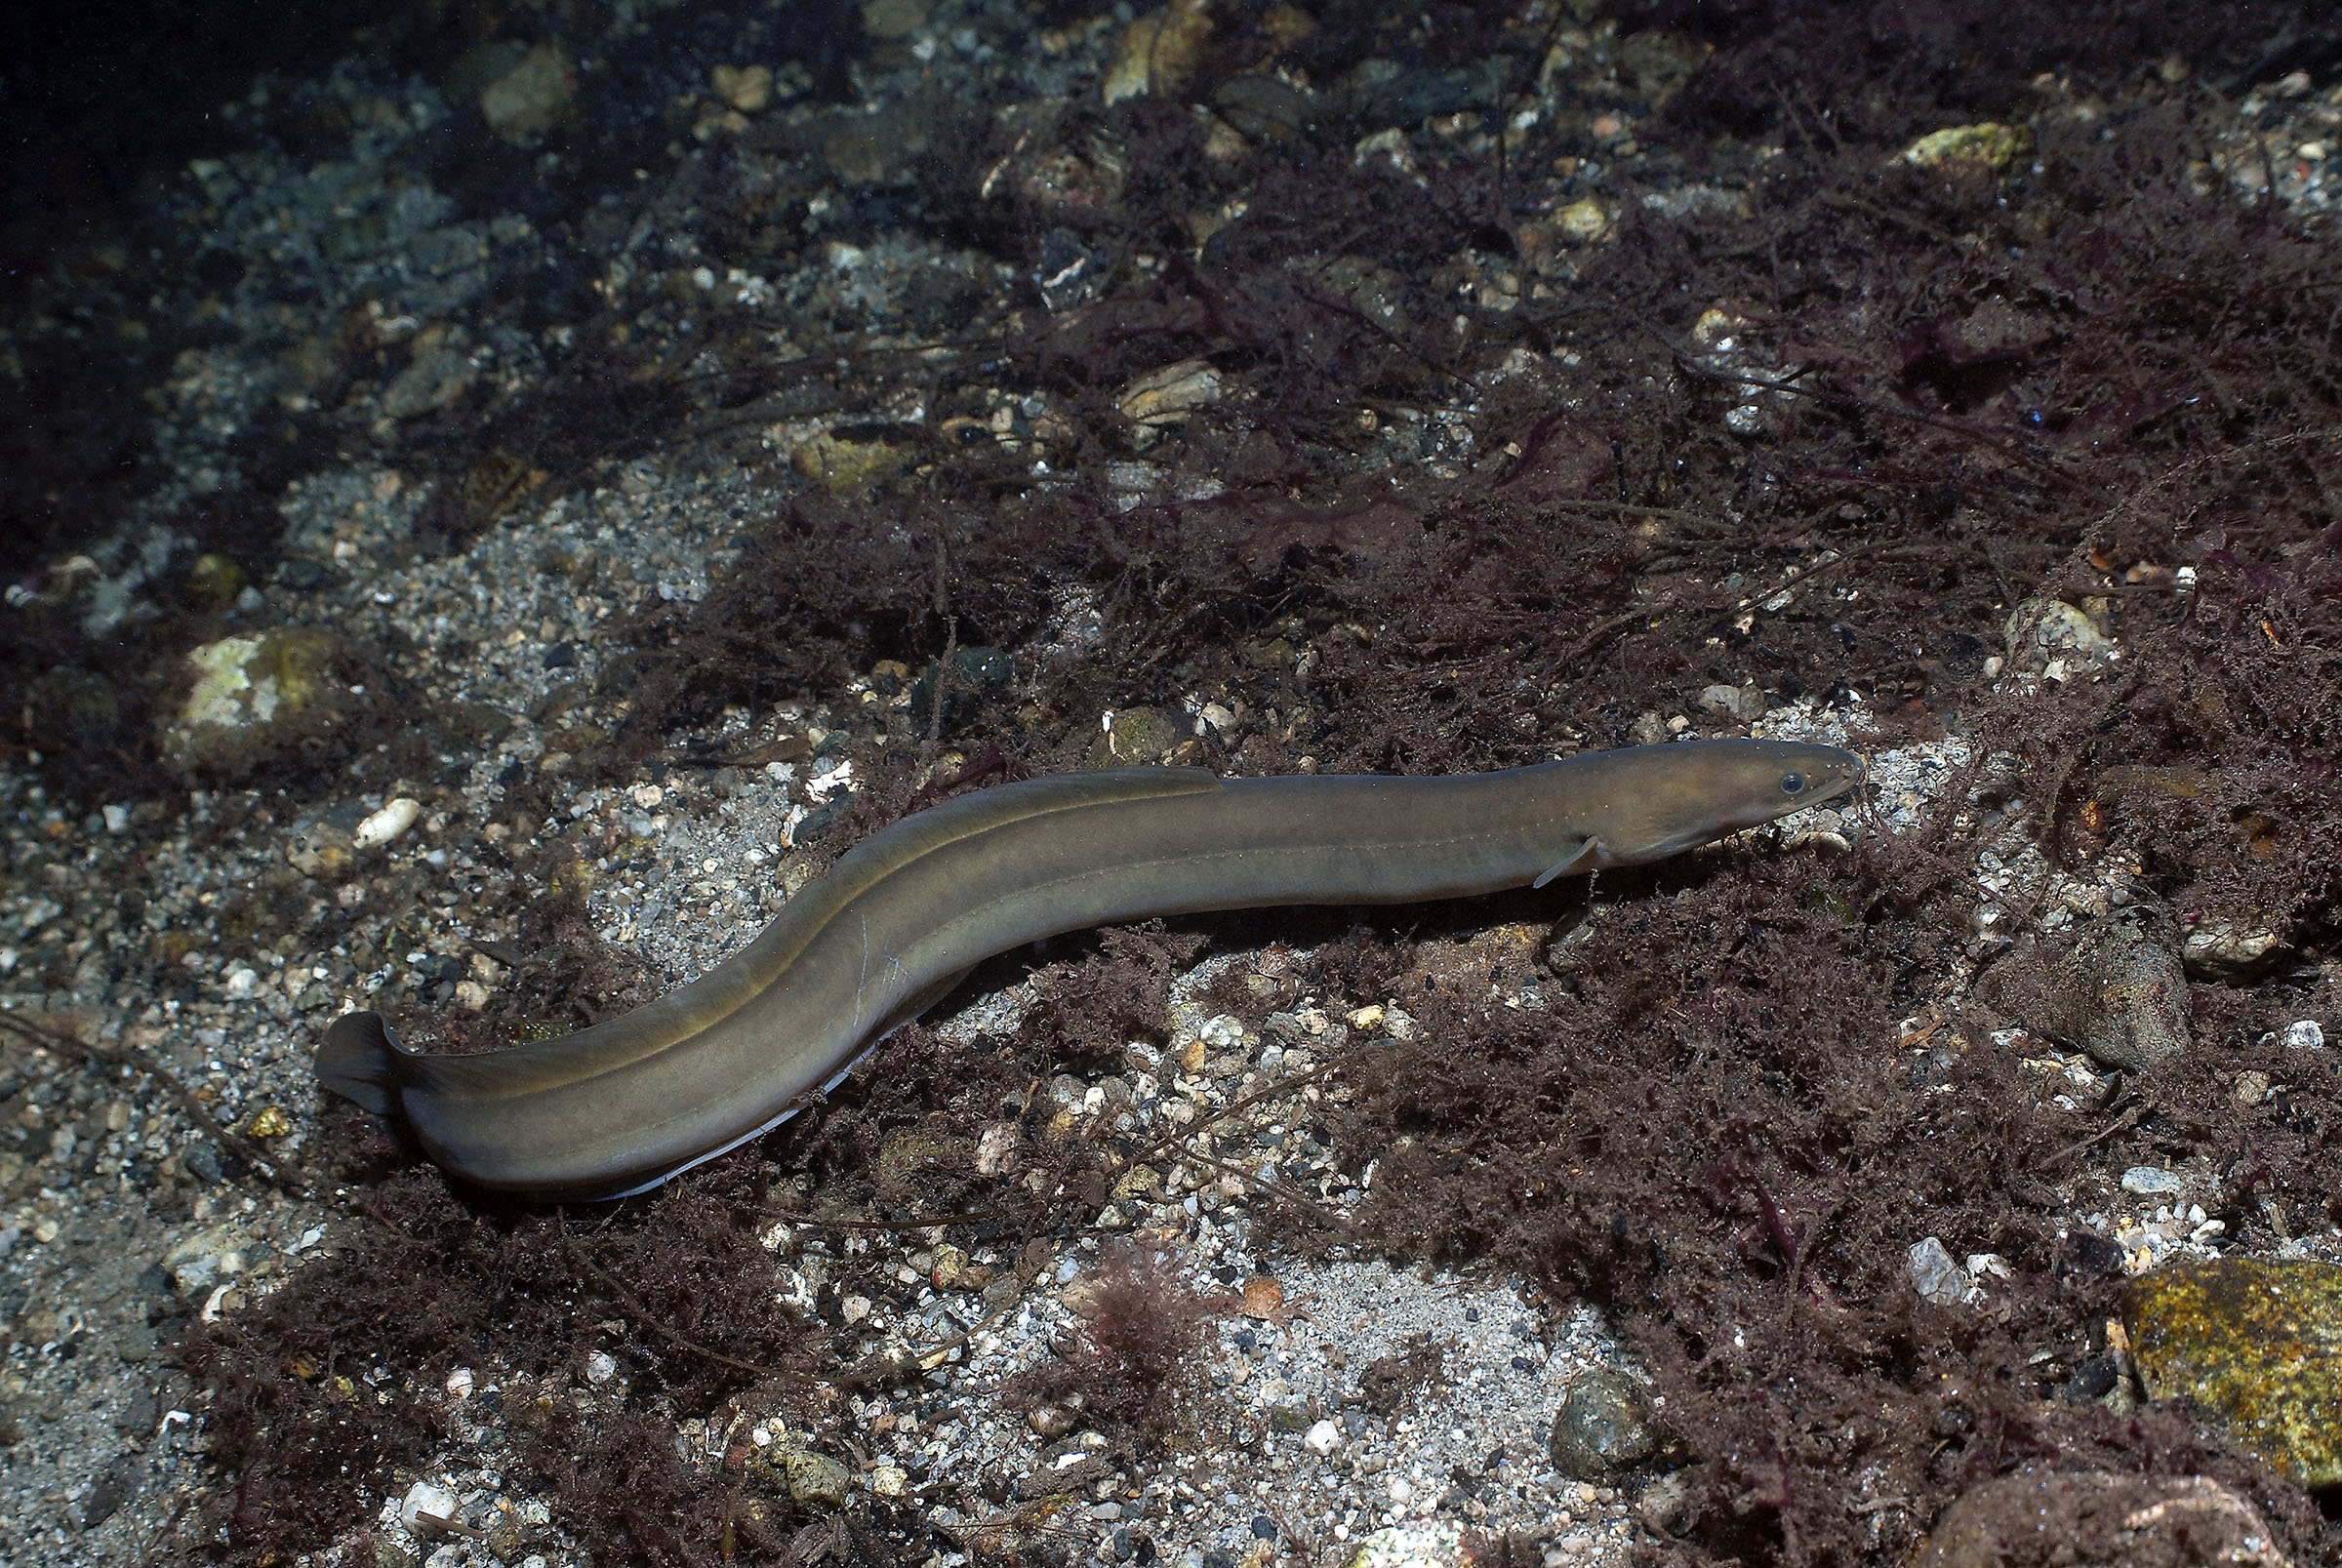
362, 1061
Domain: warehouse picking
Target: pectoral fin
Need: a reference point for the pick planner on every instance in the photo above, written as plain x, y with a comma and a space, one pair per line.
1583, 858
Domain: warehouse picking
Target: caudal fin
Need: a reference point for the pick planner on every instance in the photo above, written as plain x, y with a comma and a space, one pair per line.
362, 1061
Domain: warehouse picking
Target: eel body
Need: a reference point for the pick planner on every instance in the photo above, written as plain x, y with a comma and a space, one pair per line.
629, 1102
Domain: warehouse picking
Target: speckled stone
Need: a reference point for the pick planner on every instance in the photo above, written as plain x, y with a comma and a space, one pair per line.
1605, 1427
2256, 1344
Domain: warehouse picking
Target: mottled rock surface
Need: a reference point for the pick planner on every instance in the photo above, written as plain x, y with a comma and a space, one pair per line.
2256, 1344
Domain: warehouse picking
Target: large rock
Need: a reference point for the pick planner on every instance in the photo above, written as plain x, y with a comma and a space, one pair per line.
2041, 1518
2116, 990
2257, 1344
257, 699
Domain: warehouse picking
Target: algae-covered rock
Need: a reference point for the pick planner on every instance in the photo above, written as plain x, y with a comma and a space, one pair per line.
911, 1152
1987, 144
1604, 1425
255, 700
2258, 1345
849, 467
2039, 1518
2116, 990
1134, 735
806, 1475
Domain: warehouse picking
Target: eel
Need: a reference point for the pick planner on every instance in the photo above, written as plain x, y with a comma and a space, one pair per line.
618, 1107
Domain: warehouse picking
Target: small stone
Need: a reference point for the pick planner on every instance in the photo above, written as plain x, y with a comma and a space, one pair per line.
816, 1477
2149, 1180
240, 981
2229, 948
2252, 1088
533, 96
600, 1367
1988, 143
1158, 52
388, 824
1742, 702
1169, 395
117, 819
1935, 1276
892, 20
1132, 735
438, 371
1322, 1438
2051, 638
269, 1121
1050, 1420
428, 1510
2095, 1519
890, 1480
2304, 1034
953, 1270
1438, 1544
2255, 1344
1605, 1427
200, 1261
747, 88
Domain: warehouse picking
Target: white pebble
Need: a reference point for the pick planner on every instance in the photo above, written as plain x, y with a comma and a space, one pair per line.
648, 795
600, 1367
2305, 1035
1935, 1276
459, 1383
1322, 1438
384, 825
2146, 1178
240, 981
427, 1509
117, 819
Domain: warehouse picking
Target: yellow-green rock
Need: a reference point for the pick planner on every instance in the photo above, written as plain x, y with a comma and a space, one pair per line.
912, 1150
254, 698
2258, 1345
847, 467
1989, 143
1134, 735
215, 581
533, 96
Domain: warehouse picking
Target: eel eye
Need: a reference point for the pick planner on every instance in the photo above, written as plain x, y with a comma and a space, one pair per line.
1793, 783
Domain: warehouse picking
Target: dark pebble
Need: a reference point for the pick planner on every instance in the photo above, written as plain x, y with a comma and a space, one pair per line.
438, 968
2094, 1379
1263, 1527
139, 1413
114, 1486
821, 820
200, 1160
560, 655
1218, 1559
